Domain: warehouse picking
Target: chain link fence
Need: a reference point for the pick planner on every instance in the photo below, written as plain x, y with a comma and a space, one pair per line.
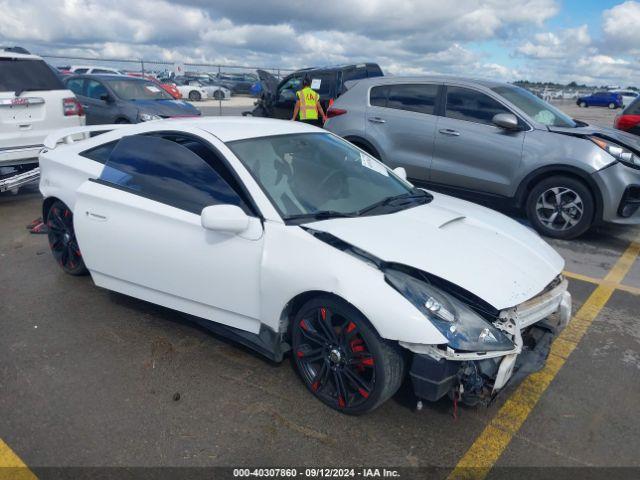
164, 69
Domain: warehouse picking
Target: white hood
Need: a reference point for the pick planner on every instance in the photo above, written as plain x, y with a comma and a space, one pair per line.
488, 254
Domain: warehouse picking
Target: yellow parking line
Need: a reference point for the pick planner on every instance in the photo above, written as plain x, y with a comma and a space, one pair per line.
494, 439
11, 467
599, 281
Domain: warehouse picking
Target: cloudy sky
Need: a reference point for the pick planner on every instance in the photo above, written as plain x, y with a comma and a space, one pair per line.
592, 41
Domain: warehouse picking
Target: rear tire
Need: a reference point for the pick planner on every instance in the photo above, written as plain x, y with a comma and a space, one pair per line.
341, 359
218, 95
195, 96
612, 106
560, 207
583, 104
62, 239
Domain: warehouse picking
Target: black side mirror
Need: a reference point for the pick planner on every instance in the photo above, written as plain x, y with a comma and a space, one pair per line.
508, 121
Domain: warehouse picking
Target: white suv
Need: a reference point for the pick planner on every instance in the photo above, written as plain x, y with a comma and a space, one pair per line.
33, 103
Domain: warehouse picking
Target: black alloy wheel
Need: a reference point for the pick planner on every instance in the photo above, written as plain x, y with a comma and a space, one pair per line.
341, 359
62, 239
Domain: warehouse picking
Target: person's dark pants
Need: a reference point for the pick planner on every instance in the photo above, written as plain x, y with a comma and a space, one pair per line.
315, 123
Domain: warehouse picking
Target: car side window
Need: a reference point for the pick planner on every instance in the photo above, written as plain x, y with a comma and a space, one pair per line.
378, 96
100, 153
81, 70
76, 85
95, 89
472, 106
168, 172
420, 98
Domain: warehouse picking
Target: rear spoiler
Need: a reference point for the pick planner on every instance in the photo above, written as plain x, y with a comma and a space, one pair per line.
75, 134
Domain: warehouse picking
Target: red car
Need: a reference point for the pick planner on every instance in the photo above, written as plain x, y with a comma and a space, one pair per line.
170, 88
629, 119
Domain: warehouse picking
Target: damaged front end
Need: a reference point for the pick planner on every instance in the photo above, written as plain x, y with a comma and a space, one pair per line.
475, 376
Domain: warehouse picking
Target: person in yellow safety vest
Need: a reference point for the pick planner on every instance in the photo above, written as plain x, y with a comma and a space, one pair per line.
308, 105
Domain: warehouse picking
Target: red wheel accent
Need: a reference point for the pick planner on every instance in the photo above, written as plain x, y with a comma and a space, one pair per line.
323, 312
351, 327
341, 402
300, 354
303, 325
363, 392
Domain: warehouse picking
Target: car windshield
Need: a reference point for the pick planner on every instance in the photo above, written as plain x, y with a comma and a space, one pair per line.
311, 176
536, 108
134, 89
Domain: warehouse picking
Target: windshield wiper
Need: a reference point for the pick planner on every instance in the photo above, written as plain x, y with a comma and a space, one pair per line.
405, 199
20, 91
320, 215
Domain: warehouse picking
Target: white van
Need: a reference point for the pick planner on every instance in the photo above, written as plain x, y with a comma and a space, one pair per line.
33, 103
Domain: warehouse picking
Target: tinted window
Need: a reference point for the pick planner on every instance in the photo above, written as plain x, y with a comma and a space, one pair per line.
21, 75
466, 104
137, 89
378, 96
414, 98
100, 70
167, 172
100, 153
76, 85
634, 108
326, 83
354, 74
95, 89
81, 70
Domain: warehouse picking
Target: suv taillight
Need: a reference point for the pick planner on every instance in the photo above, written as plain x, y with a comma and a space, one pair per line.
71, 106
626, 122
334, 112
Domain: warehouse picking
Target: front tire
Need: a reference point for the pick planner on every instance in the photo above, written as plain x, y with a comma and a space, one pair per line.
62, 239
341, 359
560, 207
612, 106
583, 104
195, 96
218, 95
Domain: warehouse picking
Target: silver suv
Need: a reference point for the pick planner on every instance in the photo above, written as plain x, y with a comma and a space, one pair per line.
497, 144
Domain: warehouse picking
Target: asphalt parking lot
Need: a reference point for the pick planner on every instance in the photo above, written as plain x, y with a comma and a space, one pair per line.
91, 378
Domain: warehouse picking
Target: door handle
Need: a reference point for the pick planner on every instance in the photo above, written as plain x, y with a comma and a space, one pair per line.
376, 120
97, 217
85, 106
449, 131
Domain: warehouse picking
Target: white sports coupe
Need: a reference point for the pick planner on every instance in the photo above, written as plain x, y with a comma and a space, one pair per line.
285, 237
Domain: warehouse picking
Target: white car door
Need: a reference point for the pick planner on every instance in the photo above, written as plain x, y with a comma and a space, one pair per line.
140, 232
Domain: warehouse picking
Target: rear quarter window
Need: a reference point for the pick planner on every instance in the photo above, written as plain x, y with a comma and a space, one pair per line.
100, 153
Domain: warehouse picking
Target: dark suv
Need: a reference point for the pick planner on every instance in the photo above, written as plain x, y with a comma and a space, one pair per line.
279, 96
237, 82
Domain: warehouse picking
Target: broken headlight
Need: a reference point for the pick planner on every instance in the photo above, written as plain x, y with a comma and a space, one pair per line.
463, 328
618, 152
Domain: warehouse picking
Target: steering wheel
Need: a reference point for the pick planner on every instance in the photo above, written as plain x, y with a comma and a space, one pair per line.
337, 178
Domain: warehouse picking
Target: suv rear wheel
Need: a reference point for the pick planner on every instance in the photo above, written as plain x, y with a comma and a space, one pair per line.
560, 207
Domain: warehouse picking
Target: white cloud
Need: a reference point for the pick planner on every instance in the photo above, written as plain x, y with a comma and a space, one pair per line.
560, 44
404, 36
621, 27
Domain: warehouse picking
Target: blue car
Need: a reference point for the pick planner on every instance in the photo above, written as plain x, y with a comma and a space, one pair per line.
121, 99
601, 99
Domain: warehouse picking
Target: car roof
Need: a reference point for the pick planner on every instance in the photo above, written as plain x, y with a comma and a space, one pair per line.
109, 77
387, 80
9, 54
229, 128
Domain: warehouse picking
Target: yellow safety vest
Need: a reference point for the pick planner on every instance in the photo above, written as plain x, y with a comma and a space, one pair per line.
308, 99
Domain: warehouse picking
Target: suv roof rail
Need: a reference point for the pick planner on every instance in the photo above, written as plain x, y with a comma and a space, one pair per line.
16, 49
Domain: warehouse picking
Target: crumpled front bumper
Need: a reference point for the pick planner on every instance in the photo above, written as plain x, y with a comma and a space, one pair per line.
477, 377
